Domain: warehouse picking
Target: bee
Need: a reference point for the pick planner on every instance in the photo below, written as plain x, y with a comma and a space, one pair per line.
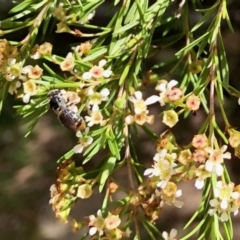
69, 118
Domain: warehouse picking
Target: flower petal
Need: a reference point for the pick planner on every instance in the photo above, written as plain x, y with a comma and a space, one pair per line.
219, 170
78, 148
172, 83
148, 171
173, 233
105, 92
107, 73
152, 99
199, 183
102, 62
138, 95
209, 166
224, 217
92, 231
87, 75
224, 204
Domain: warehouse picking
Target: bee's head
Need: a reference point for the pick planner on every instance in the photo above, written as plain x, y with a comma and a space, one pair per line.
56, 99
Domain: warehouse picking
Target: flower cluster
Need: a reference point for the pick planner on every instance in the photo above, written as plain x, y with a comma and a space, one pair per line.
234, 141
18, 75
226, 200
97, 71
168, 94
171, 236
107, 226
171, 164
140, 110
69, 186
152, 199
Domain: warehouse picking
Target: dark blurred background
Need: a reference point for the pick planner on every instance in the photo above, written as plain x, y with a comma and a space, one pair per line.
28, 165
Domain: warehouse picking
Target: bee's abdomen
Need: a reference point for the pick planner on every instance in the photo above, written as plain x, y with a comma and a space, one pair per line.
70, 119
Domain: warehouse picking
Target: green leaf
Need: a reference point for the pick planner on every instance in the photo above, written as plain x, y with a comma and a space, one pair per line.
116, 2
227, 230
55, 77
170, 40
229, 22
66, 156
223, 63
166, 62
95, 53
126, 27
132, 14
119, 45
125, 71
94, 148
26, 12
192, 44
203, 20
112, 144
141, 12
216, 4
205, 195
151, 134
205, 230
17, 25
3, 91
21, 6
149, 231
196, 228
219, 131
97, 132
107, 171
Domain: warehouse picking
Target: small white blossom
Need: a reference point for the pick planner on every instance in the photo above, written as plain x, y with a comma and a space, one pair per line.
215, 160
139, 104
163, 167
96, 98
14, 85
94, 118
202, 174
83, 143
97, 224
97, 71
171, 236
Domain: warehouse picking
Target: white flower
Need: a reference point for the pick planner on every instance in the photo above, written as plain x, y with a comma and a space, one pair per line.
86, 75
171, 236
83, 142
129, 120
164, 86
152, 99
97, 224
13, 69
94, 118
140, 105
226, 194
97, 71
14, 85
91, 15
96, 98
202, 174
163, 167
216, 209
216, 158
102, 63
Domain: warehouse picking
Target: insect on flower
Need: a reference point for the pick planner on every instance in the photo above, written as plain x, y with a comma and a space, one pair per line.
69, 118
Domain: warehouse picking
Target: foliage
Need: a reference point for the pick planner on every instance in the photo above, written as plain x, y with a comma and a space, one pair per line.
98, 94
